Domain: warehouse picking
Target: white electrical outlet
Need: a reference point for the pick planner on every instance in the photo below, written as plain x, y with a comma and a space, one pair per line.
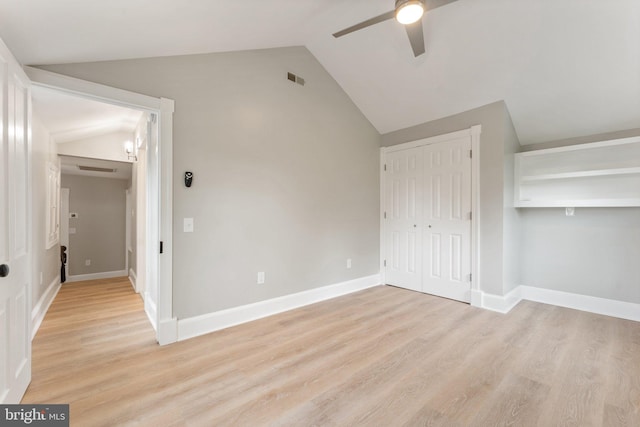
348, 262
87, 262
261, 278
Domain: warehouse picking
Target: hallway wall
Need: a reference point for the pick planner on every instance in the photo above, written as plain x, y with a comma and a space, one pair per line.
46, 262
100, 226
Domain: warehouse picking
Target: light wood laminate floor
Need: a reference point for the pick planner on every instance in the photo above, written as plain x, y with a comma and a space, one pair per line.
380, 357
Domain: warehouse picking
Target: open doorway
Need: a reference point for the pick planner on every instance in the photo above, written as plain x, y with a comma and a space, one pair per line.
101, 154
159, 185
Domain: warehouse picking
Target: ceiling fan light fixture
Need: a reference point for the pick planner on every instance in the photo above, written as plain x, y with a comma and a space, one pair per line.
409, 11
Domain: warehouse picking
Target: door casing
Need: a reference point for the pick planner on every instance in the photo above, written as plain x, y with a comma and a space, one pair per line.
159, 214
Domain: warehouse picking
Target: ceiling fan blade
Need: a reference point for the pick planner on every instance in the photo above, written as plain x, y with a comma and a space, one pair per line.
416, 37
365, 24
432, 4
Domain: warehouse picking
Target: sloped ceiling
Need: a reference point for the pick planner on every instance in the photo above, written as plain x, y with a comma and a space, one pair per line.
565, 68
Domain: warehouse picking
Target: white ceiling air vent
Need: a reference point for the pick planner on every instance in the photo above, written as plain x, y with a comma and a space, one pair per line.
96, 169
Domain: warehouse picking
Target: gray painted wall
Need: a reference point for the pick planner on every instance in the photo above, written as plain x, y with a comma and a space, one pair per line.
100, 226
45, 261
492, 155
595, 253
512, 233
286, 176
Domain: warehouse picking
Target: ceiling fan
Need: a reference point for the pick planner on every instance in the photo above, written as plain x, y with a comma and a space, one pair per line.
407, 12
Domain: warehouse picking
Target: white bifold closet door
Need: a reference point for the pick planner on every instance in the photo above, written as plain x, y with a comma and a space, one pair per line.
428, 219
404, 182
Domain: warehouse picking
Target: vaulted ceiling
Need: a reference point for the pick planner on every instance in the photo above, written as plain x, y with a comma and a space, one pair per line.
565, 68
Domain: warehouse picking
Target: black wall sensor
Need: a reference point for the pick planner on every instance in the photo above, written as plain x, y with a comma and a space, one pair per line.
188, 179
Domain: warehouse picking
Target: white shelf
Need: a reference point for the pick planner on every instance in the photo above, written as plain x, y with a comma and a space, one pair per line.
581, 174
578, 203
605, 173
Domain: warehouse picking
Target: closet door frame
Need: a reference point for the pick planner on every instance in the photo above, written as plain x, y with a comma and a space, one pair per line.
474, 133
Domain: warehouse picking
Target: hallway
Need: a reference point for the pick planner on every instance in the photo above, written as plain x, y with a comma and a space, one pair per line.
91, 331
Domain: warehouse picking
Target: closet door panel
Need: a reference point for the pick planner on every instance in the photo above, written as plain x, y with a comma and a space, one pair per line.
403, 193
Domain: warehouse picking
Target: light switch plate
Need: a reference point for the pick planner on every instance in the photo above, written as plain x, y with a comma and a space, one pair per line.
188, 225
72, 230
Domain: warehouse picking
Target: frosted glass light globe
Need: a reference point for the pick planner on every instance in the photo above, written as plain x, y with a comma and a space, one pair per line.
410, 12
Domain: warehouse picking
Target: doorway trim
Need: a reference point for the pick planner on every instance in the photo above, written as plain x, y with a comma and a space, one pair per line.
64, 226
160, 221
473, 132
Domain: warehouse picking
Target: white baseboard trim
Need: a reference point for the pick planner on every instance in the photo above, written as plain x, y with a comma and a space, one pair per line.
151, 309
607, 307
132, 279
94, 276
604, 306
40, 309
168, 331
501, 304
204, 324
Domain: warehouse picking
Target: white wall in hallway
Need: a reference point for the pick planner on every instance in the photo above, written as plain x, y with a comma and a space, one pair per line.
46, 262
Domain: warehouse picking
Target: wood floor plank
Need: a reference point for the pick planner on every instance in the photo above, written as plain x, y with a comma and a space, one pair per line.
516, 403
617, 417
380, 357
578, 397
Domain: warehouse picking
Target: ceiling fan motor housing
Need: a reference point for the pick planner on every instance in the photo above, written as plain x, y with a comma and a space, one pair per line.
401, 3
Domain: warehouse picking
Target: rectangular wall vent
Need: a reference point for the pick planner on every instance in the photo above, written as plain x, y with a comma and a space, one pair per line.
96, 169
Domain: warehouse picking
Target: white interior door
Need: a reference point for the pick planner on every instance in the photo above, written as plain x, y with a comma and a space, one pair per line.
403, 195
15, 214
447, 219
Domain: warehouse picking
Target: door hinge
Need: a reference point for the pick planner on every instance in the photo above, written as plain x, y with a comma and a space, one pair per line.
470, 216
384, 263
470, 277
385, 167
161, 247
385, 215
153, 117
471, 154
